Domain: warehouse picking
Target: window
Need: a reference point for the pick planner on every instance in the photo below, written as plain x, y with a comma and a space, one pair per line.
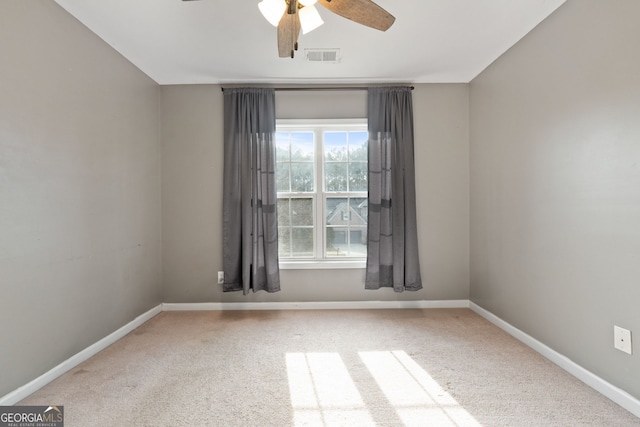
321, 175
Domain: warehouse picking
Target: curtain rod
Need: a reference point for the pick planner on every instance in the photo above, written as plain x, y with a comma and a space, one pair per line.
321, 88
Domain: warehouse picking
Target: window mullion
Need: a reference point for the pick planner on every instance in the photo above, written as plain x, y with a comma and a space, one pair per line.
320, 201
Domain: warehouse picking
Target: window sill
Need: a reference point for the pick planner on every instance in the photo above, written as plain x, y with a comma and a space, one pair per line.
322, 265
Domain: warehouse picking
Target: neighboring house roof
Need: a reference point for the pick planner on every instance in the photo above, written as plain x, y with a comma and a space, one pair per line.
356, 219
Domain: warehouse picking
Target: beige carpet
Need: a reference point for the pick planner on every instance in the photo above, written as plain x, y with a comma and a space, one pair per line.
431, 367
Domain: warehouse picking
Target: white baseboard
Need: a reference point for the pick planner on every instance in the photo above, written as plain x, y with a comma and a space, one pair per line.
17, 395
329, 305
614, 393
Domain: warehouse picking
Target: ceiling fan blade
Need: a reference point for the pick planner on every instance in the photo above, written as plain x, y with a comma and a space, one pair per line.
288, 32
363, 12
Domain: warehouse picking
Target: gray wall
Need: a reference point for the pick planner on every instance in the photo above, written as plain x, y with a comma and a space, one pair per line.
192, 122
555, 185
79, 190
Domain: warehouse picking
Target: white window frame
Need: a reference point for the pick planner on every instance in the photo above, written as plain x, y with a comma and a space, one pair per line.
318, 126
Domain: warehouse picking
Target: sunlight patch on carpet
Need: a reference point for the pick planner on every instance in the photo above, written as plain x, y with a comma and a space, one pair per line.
416, 396
322, 391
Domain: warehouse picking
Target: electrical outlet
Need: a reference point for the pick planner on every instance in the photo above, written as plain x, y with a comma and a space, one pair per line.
220, 277
622, 339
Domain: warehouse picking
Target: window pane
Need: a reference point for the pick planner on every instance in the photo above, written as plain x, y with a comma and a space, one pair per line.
302, 212
284, 242
335, 146
302, 242
336, 210
358, 146
358, 227
346, 222
302, 146
282, 146
359, 206
336, 242
358, 242
335, 176
302, 177
284, 220
337, 216
282, 177
358, 176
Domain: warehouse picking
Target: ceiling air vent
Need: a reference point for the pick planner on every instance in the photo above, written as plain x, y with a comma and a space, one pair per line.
330, 56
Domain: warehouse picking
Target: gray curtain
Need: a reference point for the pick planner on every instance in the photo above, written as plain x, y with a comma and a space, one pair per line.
392, 246
250, 233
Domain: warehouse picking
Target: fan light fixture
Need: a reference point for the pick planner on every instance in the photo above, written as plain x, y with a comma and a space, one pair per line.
309, 18
273, 10
292, 17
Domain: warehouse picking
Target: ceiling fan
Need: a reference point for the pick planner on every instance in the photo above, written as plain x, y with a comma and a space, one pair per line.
291, 16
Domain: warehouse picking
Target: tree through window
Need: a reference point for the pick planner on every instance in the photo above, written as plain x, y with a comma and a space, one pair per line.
321, 169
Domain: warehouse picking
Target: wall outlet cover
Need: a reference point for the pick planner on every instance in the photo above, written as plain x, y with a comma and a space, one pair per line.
622, 339
220, 277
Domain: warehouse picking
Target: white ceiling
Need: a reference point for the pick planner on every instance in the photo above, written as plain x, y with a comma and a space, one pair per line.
214, 41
